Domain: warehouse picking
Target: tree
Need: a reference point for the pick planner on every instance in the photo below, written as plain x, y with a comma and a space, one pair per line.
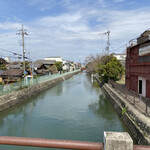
107, 66
93, 62
3, 67
110, 68
58, 64
26, 65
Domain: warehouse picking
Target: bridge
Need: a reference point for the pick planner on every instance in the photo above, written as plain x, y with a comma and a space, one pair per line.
110, 143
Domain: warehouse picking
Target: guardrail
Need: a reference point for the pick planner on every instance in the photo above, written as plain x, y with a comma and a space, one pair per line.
140, 102
8, 88
63, 144
49, 143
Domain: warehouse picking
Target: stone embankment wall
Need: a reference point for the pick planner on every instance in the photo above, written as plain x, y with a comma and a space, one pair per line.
137, 123
14, 98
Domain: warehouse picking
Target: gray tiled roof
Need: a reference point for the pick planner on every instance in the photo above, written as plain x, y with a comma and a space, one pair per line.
13, 72
1, 72
38, 63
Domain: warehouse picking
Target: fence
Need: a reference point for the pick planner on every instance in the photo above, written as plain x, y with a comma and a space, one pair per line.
63, 144
140, 102
8, 88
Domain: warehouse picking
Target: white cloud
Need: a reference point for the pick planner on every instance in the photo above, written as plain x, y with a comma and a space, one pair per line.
10, 26
124, 25
128, 24
43, 5
75, 34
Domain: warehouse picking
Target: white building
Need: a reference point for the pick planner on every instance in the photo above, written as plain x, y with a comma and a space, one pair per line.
60, 59
66, 66
7, 59
121, 57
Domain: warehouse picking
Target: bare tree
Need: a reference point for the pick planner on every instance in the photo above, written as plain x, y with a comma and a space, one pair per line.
92, 61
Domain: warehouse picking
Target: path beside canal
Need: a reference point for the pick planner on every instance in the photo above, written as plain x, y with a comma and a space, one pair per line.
136, 121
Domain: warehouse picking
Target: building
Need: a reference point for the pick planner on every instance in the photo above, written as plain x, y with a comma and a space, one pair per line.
138, 65
1, 72
66, 65
121, 58
12, 75
3, 62
43, 67
14, 65
58, 58
73, 66
7, 59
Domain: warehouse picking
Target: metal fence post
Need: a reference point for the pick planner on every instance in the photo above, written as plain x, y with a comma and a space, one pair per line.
146, 106
126, 93
134, 98
139, 97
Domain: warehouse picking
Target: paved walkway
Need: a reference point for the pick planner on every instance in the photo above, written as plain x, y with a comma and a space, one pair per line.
133, 98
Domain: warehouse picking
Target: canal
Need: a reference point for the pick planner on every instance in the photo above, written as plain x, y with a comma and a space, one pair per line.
75, 109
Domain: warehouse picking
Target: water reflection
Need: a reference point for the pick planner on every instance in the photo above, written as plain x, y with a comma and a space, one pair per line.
102, 108
89, 85
75, 109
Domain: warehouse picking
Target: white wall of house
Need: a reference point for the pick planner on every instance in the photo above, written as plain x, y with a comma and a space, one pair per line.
120, 56
72, 68
60, 59
143, 85
66, 67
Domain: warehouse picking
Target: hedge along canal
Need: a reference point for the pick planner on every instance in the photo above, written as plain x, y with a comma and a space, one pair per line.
74, 109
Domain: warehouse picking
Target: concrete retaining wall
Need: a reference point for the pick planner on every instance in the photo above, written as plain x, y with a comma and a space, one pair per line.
14, 98
137, 123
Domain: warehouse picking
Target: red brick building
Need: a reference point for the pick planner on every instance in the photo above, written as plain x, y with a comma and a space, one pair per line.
138, 65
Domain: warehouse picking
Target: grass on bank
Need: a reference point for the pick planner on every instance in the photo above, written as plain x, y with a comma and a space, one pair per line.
122, 80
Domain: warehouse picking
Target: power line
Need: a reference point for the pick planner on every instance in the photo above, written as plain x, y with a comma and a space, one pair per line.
122, 46
19, 55
112, 47
10, 51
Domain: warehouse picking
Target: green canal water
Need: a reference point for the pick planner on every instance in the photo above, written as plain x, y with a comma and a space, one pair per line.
75, 109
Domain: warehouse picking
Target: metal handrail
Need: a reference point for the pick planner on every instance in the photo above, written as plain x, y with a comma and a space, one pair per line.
51, 143
141, 147
125, 92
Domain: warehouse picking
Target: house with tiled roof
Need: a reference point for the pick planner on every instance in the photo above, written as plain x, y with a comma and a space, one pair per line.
3, 61
43, 67
12, 75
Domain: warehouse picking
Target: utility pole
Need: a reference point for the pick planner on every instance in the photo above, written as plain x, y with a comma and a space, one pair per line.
108, 40
23, 32
23, 50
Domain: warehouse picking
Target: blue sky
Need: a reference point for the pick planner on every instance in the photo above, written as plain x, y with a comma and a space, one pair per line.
71, 28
